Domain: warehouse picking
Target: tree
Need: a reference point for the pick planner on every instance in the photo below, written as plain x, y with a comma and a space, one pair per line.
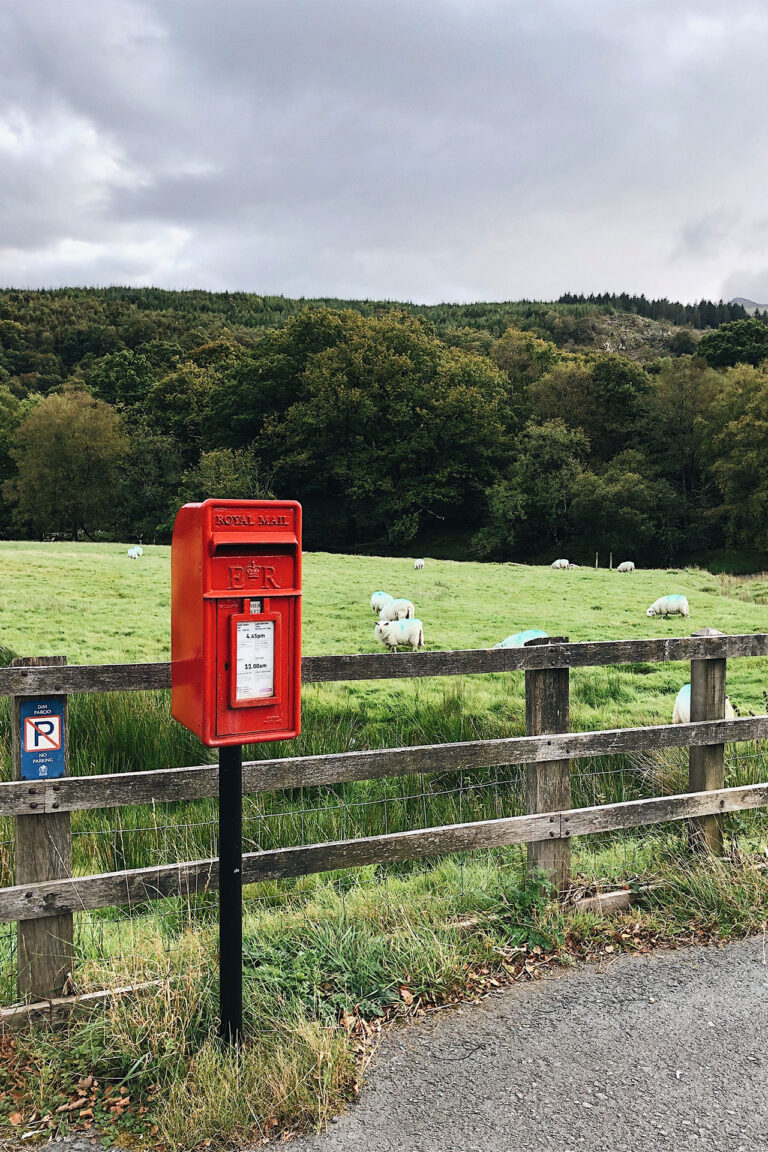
390, 427
523, 356
622, 509
12, 412
740, 342
605, 395
739, 464
151, 470
226, 474
529, 507
67, 452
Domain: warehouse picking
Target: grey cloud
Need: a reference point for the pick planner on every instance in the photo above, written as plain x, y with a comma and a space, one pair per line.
432, 149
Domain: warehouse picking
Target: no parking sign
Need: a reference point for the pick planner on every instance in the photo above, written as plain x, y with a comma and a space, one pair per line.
42, 740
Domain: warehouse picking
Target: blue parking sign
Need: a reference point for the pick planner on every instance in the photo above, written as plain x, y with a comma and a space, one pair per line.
43, 755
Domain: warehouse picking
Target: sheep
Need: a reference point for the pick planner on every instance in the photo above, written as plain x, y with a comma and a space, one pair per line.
682, 710
559, 564
397, 610
669, 606
135, 552
626, 566
392, 633
378, 600
418, 565
520, 639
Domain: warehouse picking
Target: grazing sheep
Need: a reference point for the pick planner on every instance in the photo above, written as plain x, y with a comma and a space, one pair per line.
418, 565
520, 639
669, 606
682, 710
626, 566
135, 552
392, 633
378, 600
397, 610
559, 564
139, 550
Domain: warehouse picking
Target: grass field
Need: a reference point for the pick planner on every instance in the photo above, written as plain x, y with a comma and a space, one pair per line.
343, 947
93, 604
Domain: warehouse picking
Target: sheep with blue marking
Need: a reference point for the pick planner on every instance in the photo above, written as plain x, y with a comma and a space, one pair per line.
378, 600
520, 639
682, 710
399, 609
669, 606
394, 634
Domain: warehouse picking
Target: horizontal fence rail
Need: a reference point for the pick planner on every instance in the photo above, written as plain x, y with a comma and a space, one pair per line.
45, 680
135, 886
45, 894
73, 793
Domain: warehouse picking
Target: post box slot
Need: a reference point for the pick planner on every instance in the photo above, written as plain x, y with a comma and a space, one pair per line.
245, 545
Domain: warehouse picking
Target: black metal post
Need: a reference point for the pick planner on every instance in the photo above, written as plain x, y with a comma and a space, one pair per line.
231, 893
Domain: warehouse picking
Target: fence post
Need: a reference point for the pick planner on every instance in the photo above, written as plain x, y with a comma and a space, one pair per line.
706, 765
43, 852
548, 784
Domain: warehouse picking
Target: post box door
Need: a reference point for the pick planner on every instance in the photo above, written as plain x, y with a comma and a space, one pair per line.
255, 650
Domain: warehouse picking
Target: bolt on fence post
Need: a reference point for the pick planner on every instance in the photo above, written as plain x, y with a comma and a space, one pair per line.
43, 840
548, 784
706, 765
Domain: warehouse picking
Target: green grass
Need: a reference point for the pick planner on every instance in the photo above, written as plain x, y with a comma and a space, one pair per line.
329, 949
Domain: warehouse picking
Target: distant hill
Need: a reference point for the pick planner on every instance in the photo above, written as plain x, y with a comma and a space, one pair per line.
750, 306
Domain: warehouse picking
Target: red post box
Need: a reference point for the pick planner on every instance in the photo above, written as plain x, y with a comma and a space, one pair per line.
236, 620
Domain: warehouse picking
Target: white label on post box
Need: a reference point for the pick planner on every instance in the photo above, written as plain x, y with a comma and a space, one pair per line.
255, 660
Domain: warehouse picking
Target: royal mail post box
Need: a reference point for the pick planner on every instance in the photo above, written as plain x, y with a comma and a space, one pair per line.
236, 620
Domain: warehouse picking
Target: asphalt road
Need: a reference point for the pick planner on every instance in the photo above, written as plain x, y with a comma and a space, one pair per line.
668, 1051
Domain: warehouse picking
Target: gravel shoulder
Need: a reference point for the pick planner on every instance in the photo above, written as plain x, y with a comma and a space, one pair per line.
666, 1051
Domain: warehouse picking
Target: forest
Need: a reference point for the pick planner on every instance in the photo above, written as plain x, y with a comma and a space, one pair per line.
511, 431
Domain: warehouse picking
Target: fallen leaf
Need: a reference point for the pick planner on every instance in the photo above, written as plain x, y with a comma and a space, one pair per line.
406, 994
15, 1118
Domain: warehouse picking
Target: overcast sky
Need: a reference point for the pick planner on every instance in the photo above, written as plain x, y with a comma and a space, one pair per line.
425, 150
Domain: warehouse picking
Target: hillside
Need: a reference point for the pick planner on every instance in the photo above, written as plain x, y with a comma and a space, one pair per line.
511, 431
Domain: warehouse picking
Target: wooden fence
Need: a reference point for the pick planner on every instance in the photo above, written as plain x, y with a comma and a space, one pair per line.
46, 895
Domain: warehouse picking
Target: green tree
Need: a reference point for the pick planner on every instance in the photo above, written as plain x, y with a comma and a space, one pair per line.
151, 471
739, 455
622, 509
226, 474
523, 356
529, 508
391, 427
12, 412
605, 395
740, 342
67, 451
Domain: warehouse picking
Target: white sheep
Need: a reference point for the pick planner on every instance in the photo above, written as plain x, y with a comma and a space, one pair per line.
135, 552
397, 610
418, 565
682, 709
378, 600
392, 633
669, 606
559, 564
626, 566
520, 639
